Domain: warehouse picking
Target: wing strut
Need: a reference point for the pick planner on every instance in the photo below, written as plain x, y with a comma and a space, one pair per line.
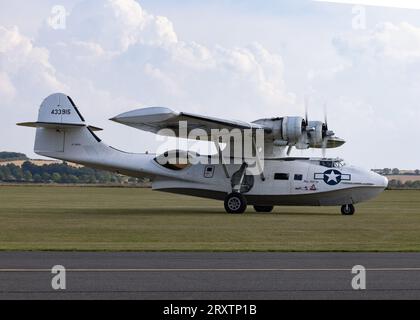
237, 185
219, 151
257, 156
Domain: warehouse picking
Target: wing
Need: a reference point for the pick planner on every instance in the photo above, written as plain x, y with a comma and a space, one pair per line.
156, 119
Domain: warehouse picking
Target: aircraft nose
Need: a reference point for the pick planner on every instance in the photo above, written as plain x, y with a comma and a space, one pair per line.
385, 182
381, 181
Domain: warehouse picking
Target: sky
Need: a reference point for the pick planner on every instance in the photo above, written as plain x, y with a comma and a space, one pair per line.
230, 59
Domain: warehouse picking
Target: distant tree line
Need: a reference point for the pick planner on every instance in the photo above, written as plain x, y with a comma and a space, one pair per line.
5, 155
396, 172
60, 173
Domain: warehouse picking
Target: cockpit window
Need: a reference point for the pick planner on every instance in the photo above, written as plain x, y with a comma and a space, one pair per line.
338, 164
326, 163
332, 163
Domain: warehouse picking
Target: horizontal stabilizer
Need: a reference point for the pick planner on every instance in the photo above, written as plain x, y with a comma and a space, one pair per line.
52, 125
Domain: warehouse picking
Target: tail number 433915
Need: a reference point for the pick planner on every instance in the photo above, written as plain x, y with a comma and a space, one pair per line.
61, 111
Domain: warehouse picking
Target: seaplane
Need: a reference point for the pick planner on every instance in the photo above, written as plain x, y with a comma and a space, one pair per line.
257, 171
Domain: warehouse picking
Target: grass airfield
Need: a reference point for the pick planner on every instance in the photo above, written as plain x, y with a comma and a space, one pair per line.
132, 219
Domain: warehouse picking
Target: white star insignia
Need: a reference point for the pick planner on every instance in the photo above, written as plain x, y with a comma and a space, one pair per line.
332, 177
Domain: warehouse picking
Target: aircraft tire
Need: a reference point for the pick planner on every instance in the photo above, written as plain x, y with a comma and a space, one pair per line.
235, 203
263, 208
348, 210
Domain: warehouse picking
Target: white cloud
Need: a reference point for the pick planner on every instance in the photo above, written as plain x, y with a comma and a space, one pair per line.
26, 77
374, 92
395, 41
7, 89
25, 64
121, 47
115, 25
403, 4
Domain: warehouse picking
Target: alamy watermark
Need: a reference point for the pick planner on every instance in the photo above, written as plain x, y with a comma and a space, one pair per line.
359, 21
58, 17
359, 280
234, 146
58, 281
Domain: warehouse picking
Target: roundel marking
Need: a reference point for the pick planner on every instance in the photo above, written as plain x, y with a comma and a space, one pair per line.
332, 177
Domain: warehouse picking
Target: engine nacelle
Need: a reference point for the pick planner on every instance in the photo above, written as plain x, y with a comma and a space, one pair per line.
315, 135
292, 129
295, 132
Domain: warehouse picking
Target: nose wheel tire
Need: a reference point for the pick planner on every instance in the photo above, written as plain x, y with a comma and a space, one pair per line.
235, 203
348, 210
263, 208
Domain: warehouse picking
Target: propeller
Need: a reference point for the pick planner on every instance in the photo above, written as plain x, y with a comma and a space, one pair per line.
326, 133
307, 131
306, 111
306, 127
324, 147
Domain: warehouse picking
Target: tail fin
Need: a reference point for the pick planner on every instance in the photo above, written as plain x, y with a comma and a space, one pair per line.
59, 108
60, 127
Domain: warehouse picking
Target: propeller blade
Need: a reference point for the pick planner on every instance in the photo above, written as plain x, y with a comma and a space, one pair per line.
325, 131
324, 147
326, 113
289, 150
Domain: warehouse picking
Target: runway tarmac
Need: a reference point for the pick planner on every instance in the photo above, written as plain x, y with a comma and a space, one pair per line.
27, 275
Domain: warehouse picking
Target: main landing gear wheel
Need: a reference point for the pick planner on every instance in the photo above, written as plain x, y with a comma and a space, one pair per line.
263, 208
348, 210
235, 203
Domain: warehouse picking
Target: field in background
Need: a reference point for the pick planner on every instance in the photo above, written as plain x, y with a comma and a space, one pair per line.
36, 162
404, 178
132, 219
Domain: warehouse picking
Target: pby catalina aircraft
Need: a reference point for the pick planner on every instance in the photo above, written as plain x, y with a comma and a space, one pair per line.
274, 179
